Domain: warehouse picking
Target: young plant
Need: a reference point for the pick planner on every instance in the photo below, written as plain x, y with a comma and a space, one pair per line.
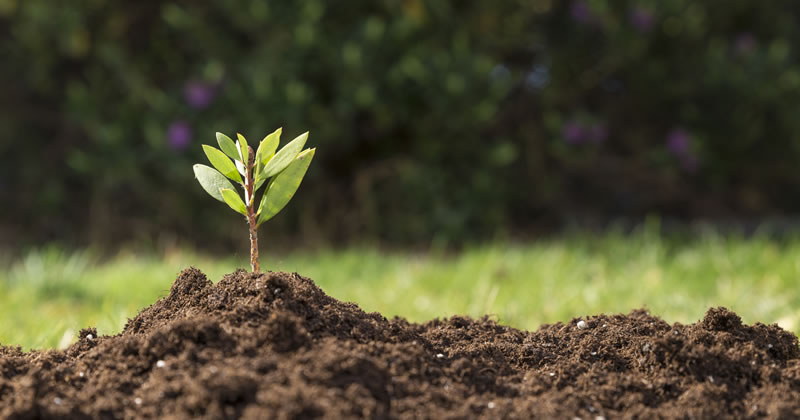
236, 162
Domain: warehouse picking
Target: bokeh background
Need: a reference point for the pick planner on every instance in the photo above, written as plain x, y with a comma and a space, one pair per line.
439, 126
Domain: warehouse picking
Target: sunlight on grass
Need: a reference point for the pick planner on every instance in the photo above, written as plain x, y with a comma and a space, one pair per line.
46, 297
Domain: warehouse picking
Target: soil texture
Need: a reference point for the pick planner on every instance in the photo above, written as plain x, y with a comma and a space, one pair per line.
275, 346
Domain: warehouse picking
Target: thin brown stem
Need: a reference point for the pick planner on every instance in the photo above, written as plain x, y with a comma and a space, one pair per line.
251, 219
251, 213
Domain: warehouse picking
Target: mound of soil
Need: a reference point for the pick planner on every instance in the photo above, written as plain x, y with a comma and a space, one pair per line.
275, 346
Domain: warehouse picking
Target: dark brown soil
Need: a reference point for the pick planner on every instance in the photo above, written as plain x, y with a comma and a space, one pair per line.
276, 346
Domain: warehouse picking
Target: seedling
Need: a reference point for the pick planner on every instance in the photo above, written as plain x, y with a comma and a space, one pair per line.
236, 162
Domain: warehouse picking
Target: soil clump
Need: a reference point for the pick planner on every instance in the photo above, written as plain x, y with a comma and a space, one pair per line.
276, 346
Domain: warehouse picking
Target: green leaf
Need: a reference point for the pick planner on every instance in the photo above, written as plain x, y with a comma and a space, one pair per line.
260, 179
228, 146
211, 180
285, 156
266, 149
242, 145
233, 200
268, 146
222, 163
283, 186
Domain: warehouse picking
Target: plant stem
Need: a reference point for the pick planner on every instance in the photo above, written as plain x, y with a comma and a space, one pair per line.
251, 213
251, 219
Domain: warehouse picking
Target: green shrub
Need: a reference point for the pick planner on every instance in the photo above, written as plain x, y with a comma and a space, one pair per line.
448, 119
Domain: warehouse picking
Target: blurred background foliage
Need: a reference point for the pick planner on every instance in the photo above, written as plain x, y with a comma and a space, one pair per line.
433, 119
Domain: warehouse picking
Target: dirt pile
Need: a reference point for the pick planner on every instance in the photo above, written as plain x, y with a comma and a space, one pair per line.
275, 346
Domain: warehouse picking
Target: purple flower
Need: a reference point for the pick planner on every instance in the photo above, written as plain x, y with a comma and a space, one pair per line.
597, 133
580, 11
642, 19
179, 133
573, 132
678, 142
198, 94
745, 43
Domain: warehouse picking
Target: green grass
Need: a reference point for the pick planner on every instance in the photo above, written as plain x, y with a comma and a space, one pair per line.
48, 295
